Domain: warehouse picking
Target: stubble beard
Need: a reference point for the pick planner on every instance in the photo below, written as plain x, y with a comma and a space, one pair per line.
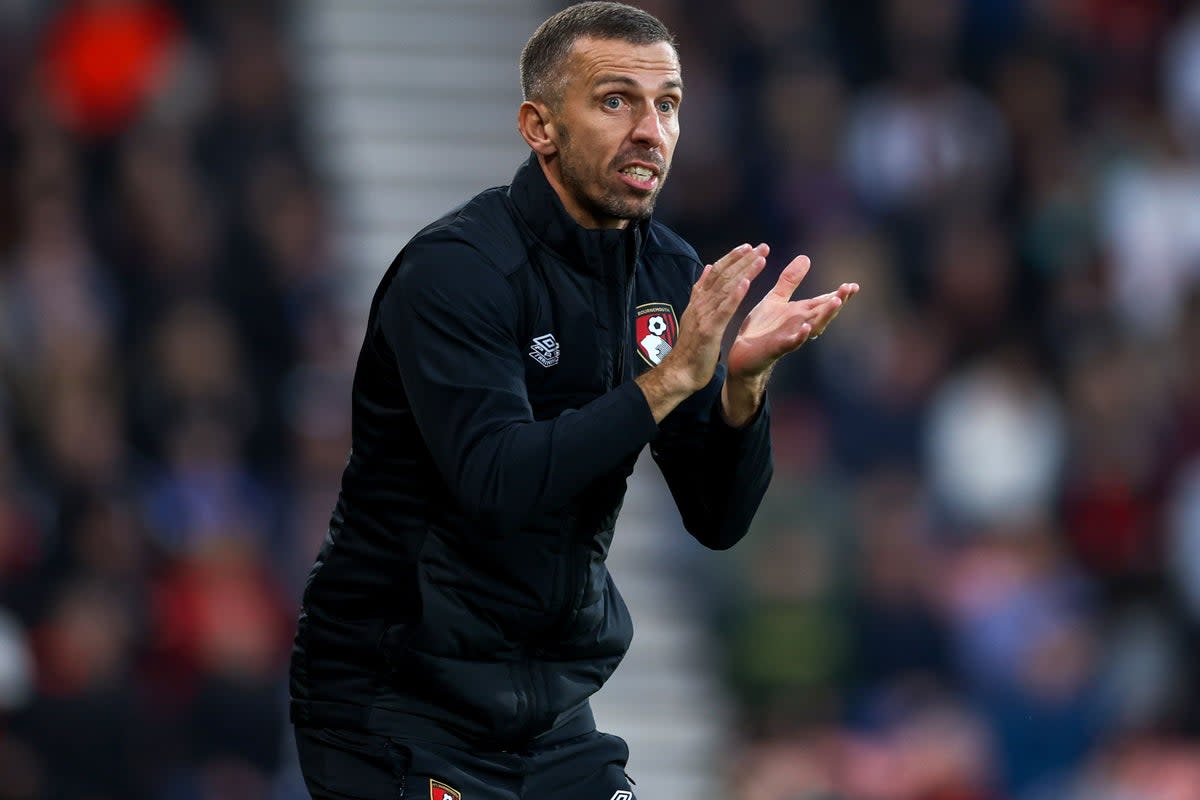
611, 203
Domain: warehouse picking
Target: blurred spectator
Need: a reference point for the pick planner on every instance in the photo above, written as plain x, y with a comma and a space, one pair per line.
924, 139
1027, 651
878, 375
790, 638
898, 637
805, 109
930, 750
223, 633
1183, 528
105, 58
1152, 231
88, 724
1116, 396
1150, 767
1182, 81
997, 443
167, 318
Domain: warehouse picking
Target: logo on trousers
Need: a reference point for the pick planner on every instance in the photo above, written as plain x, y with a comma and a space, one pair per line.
440, 791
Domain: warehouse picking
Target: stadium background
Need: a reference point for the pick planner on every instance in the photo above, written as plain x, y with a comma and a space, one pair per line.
977, 576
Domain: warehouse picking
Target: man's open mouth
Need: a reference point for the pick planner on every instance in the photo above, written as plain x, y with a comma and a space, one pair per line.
640, 176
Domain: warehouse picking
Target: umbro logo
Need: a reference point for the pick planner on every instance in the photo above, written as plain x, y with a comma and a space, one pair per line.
622, 795
544, 350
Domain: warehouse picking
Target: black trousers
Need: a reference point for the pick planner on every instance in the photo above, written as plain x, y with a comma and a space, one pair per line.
354, 765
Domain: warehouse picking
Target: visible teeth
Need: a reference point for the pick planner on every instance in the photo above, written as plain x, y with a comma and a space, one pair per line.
641, 173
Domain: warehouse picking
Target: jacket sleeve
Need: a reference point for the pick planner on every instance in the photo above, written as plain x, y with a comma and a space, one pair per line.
451, 320
717, 474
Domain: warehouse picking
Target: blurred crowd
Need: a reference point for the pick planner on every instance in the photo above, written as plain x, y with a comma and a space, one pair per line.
173, 394
977, 574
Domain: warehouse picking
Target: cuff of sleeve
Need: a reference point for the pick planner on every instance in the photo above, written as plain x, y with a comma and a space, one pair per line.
601, 434
641, 417
615, 424
723, 427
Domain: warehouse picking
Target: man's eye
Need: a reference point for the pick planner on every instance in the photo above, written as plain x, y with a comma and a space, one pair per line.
666, 106
612, 102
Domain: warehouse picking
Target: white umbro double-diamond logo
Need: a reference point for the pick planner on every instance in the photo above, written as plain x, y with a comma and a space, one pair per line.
544, 350
622, 795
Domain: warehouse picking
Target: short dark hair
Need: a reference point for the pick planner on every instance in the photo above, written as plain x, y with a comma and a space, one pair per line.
542, 76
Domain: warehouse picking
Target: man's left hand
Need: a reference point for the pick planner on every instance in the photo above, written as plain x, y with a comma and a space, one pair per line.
775, 327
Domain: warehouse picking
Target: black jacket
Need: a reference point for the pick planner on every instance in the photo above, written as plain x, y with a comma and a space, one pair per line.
461, 592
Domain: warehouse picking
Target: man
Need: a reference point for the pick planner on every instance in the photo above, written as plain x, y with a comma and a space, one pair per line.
520, 352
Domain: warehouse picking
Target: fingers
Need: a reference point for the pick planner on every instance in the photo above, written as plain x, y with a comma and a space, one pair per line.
724, 283
842, 293
715, 297
832, 306
740, 252
736, 264
791, 276
796, 271
714, 270
733, 255
817, 312
723, 297
792, 336
847, 290
739, 256
803, 335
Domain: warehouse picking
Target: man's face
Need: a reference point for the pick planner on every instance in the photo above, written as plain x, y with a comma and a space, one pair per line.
615, 128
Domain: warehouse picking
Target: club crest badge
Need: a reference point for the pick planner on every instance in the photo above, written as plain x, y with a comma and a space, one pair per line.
656, 329
440, 791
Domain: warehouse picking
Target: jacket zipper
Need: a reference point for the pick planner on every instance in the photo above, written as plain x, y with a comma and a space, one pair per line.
630, 280
625, 331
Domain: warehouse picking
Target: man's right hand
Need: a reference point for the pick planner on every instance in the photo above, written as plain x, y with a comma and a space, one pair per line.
715, 297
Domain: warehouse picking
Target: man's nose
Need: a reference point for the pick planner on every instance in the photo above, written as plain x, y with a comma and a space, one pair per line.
648, 130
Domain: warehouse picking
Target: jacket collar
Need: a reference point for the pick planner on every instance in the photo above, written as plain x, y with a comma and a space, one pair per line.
598, 251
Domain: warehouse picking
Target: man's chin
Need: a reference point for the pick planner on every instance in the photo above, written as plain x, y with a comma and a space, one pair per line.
644, 214
633, 210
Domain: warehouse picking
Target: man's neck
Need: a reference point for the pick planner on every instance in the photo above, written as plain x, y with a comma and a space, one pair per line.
577, 210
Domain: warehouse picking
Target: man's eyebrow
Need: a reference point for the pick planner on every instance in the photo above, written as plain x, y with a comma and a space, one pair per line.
625, 80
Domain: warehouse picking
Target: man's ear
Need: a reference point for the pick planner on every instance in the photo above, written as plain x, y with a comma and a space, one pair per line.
535, 122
